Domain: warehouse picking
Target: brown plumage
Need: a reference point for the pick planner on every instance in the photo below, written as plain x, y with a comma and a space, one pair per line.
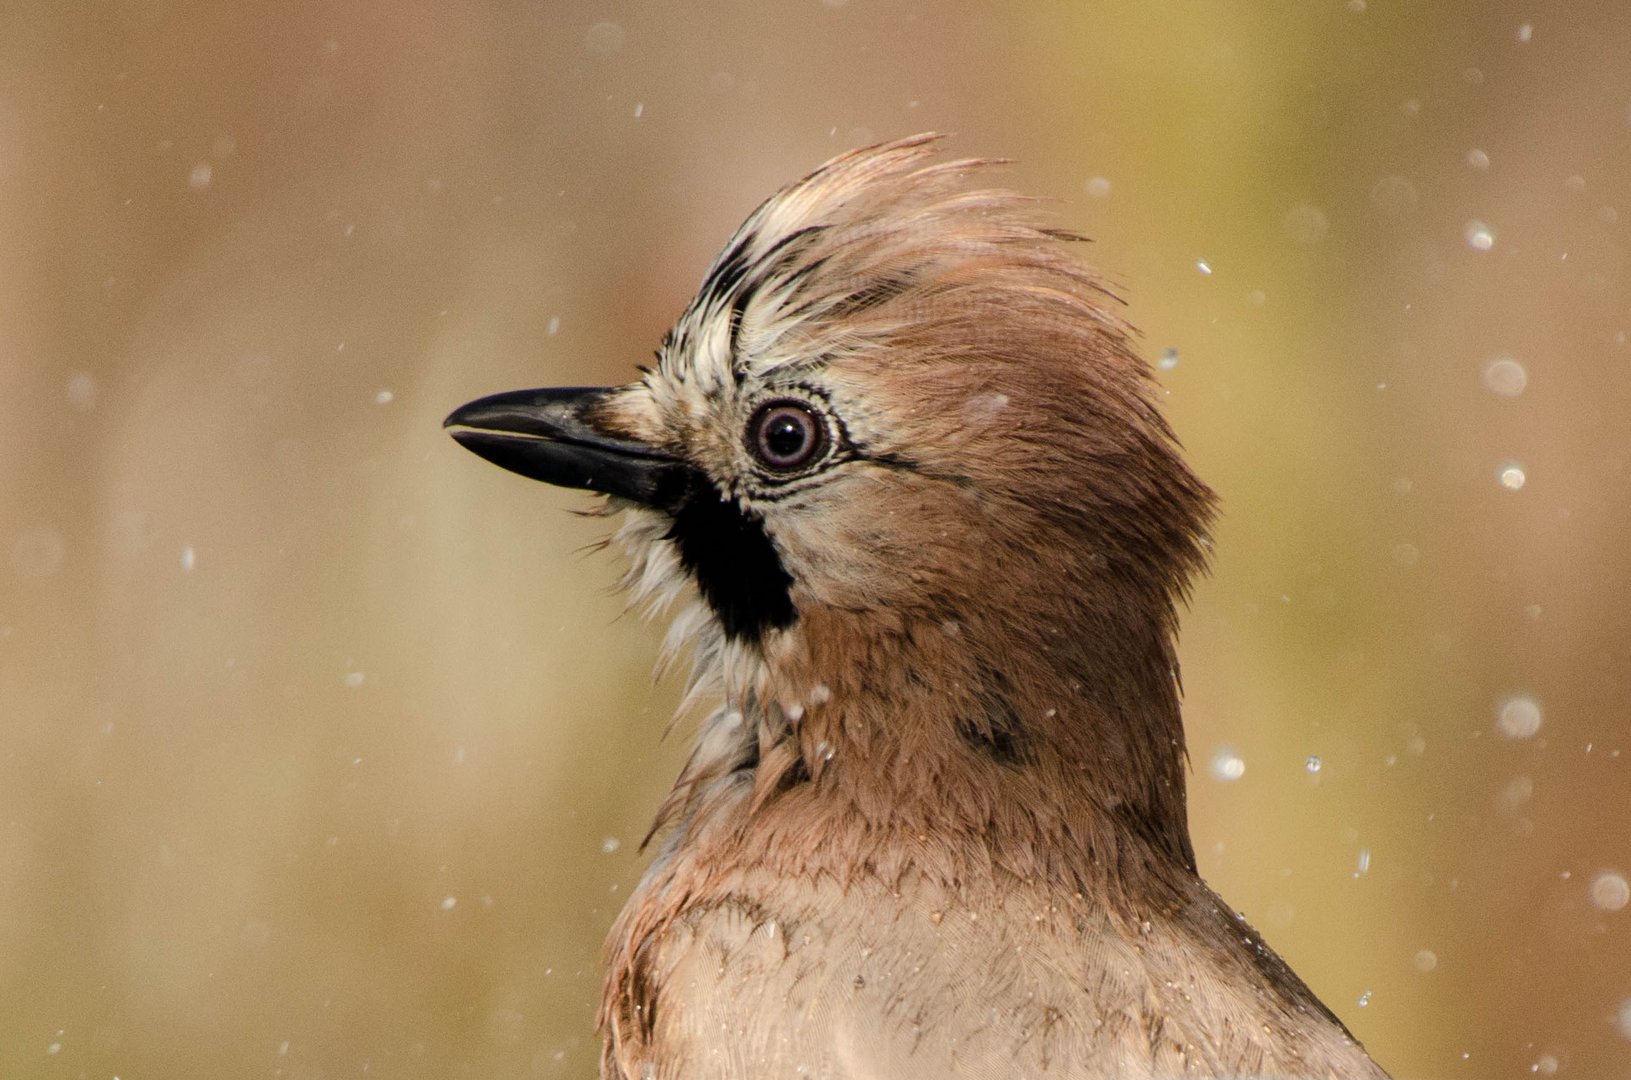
904, 464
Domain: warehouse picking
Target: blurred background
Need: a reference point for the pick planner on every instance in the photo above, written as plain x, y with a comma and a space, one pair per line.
325, 748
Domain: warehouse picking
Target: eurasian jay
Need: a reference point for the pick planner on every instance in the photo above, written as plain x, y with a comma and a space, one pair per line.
903, 467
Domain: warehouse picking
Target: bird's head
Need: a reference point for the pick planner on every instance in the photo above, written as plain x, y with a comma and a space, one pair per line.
898, 409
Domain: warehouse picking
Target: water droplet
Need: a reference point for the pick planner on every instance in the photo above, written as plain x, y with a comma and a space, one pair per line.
1622, 1019
1169, 359
1203, 266
82, 391
384, 397
1227, 765
200, 177
639, 109
1511, 476
1518, 791
824, 750
1393, 195
1478, 159
1505, 376
189, 559
609, 844
553, 327
1480, 237
449, 903
1364, 999
1525, 33
1363, 866
54, 1048
1426, 960
354, 679
1518, 717
984, 408
1305, 224
1546, 1064
604, 38
1098, 187
1313, 763
1610, 891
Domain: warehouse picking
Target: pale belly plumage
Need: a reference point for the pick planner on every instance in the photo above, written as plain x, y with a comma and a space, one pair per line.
811, 982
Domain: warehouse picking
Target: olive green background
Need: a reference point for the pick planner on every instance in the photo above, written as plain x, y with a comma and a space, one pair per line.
325, 749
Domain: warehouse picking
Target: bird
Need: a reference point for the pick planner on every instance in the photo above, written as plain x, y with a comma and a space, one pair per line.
900, 477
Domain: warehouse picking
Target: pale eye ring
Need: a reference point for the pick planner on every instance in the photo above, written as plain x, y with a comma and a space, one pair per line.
786, 436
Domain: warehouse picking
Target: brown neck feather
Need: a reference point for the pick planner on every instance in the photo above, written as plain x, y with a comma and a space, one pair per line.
1057, 757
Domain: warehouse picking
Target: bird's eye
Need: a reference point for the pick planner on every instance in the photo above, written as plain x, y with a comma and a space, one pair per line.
786, 435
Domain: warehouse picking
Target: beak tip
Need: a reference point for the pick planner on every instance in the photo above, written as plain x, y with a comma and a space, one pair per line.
546, 435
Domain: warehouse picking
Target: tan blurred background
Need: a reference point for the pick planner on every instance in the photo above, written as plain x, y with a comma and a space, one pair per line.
325, 750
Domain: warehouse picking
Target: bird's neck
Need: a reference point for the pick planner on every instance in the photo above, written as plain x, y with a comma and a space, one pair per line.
948, 750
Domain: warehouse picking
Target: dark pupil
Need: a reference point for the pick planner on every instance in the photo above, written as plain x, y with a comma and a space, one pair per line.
786, 435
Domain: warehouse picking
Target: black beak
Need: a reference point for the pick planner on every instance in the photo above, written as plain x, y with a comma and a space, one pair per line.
551, 435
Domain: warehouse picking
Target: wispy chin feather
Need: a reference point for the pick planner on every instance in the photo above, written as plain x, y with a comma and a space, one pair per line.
722, 672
